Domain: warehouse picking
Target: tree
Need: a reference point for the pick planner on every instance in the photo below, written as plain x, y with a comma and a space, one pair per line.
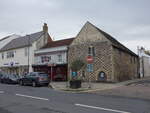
76, 65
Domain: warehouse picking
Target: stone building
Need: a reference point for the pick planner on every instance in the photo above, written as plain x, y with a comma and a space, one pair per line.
112, 62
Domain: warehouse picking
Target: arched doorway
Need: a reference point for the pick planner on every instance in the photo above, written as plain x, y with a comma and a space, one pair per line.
102, 76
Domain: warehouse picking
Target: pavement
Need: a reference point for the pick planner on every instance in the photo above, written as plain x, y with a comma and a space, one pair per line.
136, 89
26, 99
86, 87
93, 86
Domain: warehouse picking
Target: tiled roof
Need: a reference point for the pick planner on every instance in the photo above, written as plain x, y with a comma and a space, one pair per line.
4, 38
22, 41
58, 43
114, 42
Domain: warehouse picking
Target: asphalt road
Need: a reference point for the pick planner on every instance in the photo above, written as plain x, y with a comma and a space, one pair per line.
26, 99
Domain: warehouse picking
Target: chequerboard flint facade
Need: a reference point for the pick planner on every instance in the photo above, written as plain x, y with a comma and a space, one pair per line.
111, 60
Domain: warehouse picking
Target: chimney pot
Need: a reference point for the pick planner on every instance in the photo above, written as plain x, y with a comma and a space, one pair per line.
45, 27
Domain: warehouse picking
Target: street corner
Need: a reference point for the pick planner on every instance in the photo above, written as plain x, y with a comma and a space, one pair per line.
139, 89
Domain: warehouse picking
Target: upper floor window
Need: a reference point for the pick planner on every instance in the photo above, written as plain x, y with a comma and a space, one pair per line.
2, 55
59, 58
26, 51
10, 54
91, 51
45, 59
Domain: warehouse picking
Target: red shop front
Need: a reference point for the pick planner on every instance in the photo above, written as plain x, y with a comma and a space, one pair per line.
57, 72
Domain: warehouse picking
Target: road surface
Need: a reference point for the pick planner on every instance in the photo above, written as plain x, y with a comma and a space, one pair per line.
26, 99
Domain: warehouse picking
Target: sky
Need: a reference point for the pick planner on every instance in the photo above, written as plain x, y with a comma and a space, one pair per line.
126, 20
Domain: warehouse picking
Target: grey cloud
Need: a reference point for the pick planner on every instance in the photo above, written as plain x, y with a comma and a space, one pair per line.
66, 17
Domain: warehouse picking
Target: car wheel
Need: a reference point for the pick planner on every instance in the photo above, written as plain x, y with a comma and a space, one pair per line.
34, 84
21, 83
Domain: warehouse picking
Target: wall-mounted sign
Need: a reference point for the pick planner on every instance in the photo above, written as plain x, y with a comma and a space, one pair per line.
90, 67
89, 59
52, 64
11, 63
102, 76
74, 74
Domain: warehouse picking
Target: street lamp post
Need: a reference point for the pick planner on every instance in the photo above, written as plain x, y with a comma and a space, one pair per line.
51, 72
28, 52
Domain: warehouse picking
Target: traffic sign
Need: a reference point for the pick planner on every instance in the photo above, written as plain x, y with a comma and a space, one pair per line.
89, 59
90, 67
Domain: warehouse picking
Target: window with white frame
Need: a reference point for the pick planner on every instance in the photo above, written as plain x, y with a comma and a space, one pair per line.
91, 51
59, 58
45, 59
10, 54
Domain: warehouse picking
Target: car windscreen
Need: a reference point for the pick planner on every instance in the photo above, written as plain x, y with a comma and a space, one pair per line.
16, 76
13, 76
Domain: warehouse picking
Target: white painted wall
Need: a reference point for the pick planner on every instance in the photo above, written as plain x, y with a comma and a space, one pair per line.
53, 52
144, 64
19, 58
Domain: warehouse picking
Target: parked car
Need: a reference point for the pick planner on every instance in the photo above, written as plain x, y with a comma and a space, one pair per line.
35, 79
1, 76
10, 79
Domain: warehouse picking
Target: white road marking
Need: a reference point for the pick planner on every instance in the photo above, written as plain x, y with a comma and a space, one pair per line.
39, 98
1, 91
100, 108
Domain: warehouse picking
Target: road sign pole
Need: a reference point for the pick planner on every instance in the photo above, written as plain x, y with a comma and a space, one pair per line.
51, 73
89, 68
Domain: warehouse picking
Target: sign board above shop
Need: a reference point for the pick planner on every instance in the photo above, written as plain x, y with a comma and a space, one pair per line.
52, 64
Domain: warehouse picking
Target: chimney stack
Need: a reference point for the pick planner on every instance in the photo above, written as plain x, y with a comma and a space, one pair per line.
45, 28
